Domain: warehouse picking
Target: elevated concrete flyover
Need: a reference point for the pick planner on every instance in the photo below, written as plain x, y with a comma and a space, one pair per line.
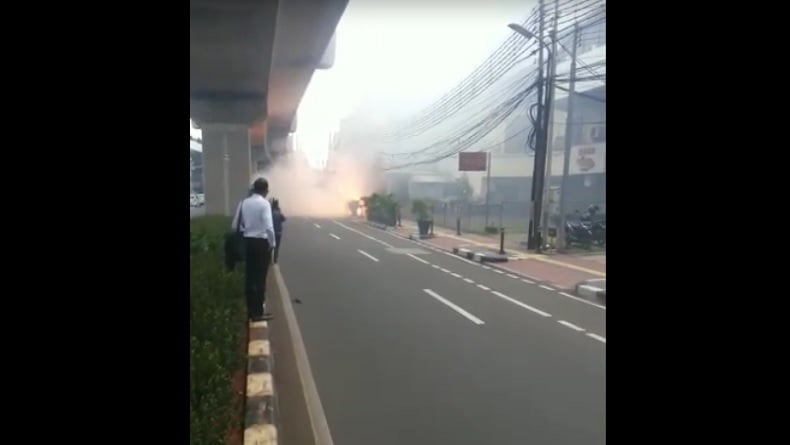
250, 64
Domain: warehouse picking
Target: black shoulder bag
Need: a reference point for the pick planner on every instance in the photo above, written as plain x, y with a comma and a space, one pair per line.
234, 243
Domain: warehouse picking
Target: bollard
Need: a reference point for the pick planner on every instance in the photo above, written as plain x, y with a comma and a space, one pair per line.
501, 240
458, 226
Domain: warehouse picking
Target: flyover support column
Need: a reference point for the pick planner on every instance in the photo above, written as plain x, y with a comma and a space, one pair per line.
227, 170
277, 143
260, 158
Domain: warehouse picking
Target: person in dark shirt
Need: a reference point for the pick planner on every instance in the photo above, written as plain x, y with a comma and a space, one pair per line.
279, 219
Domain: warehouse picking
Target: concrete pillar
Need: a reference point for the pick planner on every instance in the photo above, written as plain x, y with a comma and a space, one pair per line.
227, 168
260, 158
279, 144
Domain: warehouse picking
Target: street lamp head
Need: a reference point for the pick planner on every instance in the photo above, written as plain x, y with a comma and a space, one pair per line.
521, 30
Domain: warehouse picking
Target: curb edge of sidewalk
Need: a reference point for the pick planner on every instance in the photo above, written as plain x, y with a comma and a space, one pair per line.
499, 266
259, 401
589, 291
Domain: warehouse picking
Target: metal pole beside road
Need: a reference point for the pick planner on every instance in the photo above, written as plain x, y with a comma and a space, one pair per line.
569, 133
539, 161
488, 185
549, 124
501, 240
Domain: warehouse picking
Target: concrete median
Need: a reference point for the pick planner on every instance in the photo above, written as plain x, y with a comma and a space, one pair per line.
595, 288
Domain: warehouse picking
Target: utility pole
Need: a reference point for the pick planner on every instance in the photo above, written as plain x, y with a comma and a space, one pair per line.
550, 120
569, 133
540, 155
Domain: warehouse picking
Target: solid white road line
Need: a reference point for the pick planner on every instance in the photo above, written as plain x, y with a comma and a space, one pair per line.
518, 303
334, 236
436, 266
454, 307
570, 325
543, 286
368, 255
565, 294
419, 259
444, 270
315, 411
317, 226
597, 337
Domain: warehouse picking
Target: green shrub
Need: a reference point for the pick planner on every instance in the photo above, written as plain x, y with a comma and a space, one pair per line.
382, 209
217, 333
421, 210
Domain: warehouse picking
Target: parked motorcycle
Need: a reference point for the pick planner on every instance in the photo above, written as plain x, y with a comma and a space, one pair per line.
599, 232
586, 229
579, 233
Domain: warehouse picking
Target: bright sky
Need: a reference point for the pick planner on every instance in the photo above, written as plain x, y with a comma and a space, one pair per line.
400, 55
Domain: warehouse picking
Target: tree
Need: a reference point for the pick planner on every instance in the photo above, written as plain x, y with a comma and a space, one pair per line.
464, 188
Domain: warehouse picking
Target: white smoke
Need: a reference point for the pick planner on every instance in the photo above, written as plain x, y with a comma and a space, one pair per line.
304, 191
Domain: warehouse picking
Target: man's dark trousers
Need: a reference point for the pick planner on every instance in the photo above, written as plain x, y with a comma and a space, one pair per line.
258, 257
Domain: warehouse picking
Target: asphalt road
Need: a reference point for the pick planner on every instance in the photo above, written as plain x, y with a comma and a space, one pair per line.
413, 346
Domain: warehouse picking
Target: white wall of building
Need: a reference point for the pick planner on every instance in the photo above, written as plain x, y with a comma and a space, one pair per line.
585, 159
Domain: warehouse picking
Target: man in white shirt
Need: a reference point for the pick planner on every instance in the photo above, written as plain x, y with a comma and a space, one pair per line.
257, 228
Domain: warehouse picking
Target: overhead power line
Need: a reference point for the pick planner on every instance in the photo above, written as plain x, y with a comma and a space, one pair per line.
490, 71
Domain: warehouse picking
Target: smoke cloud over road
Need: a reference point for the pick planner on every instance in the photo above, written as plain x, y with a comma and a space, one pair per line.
304, 191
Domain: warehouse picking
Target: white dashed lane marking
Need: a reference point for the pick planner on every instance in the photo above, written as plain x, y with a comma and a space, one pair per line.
454, 307
481, 286
368, 255
570, 325
419, 259
518, 303
597, 337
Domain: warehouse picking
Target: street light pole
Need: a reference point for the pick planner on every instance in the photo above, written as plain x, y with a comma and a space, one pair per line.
569, 133
534, 240
549, 126
540, 158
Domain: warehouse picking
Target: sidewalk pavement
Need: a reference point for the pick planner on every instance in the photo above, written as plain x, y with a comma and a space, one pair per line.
563, 271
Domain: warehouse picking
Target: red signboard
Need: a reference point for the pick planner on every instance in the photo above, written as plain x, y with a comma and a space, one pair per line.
472, 162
